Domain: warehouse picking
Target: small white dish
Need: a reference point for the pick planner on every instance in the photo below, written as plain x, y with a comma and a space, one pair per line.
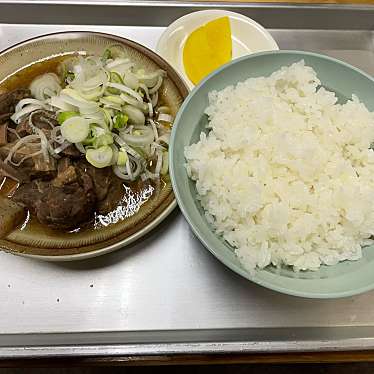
247, 35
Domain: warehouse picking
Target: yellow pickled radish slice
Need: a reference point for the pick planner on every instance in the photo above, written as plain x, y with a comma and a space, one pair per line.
207, 48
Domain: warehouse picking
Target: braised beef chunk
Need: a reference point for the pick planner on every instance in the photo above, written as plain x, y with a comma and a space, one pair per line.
43, 119
28, 195
12, 137
9, 100
21, 152
100, 178
113, 197
24, 128
3, 134
108, 187
34, 166
61, 192
72, 196
66, 207
71, 152
4, 117
43, 164
11, 172
63, 164
11, 215
67, 177
62, 203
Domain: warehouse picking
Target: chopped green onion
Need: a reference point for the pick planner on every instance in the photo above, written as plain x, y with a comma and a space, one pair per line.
70, 75
112, 99
63, 116
90, 138
105, 139
114, 78
75, 129
100, 157
122, 158
120, 120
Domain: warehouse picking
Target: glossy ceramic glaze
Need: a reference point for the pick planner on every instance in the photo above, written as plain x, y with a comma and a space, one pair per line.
344, 279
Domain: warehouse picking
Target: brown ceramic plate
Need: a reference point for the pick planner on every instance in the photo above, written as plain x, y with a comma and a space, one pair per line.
38, 241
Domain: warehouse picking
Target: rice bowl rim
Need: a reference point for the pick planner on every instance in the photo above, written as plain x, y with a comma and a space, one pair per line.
199, 232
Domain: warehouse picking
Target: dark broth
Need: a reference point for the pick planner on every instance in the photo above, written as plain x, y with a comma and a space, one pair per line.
136, 191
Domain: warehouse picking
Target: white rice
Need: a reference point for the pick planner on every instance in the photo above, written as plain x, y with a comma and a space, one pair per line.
285, 173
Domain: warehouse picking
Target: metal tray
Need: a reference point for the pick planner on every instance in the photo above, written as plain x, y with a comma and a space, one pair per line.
166, 294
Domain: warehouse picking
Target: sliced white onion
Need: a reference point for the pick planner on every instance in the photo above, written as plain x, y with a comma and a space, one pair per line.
45, 85
71, 96
149, 175
125, 89
150, 109
57, 138
145, 138
100, 79
164, 109
28, 101
131, 80
132, 101
154, 128
110, 104
158, 163
128, 149
121, 172
44, 144
116, 62
130, 171
145, 89
23, 141
164, 138
92, 94
82, 106
157, 86
136, 116
80, 147
115, 154
98, 117
59, 103
129, 99
151, 79
24, 158
165, 117
165, 163
154, 99
62, 147
16, 117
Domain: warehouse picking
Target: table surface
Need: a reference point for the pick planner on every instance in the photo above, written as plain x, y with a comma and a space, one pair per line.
238, 358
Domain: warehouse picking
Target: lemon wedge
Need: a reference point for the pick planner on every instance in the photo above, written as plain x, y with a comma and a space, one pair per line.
207, 48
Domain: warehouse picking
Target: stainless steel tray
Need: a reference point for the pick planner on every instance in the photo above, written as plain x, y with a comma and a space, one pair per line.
166, 293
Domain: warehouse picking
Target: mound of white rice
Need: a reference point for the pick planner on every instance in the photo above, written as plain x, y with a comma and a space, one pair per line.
286, 174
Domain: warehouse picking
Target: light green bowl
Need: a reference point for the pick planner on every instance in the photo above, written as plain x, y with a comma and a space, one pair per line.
345, 279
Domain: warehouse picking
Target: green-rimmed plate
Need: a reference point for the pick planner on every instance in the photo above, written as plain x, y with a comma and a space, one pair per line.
38, 55
344, 279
